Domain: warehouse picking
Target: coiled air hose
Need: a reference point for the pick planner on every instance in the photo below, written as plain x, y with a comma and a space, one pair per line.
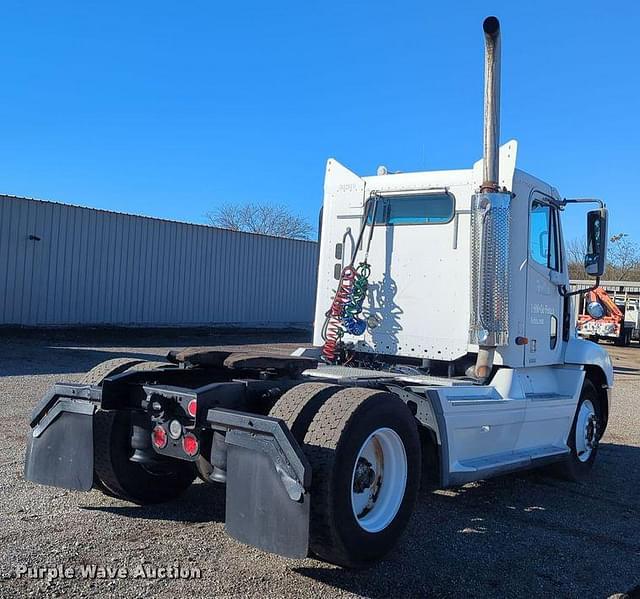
344, 314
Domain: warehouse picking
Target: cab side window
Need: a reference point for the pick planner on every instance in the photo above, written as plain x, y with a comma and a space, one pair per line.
543, 235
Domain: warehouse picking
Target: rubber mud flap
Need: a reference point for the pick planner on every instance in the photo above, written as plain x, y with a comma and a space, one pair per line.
268, 478
259, 511
60, 449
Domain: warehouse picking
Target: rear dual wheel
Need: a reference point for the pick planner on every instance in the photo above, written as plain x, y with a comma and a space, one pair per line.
129, 480
114, 473
364, 450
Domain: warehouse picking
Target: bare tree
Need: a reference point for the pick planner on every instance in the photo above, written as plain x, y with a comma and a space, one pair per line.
624, 258
575, 258
268, 219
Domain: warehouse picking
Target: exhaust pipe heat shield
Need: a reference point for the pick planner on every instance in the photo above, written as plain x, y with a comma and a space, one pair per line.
490, 242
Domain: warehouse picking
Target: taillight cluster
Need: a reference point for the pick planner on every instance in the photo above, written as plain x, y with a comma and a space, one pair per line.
174, 429
160, 438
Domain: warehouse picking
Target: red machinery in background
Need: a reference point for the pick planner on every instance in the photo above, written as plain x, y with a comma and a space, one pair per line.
611, 325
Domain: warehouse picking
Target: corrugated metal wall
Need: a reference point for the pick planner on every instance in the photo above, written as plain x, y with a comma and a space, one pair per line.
66, 265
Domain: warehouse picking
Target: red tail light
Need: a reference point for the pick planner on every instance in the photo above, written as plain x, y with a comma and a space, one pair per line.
159, 437
192, 408
190, 444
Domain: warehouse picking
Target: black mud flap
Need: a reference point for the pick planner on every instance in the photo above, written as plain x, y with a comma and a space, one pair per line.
268, 478
60, 448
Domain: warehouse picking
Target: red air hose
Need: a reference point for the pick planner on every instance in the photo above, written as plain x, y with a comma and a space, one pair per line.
343, 314
333, 330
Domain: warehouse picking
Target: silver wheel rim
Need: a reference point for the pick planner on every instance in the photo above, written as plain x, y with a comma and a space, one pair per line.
586, 431
379, 480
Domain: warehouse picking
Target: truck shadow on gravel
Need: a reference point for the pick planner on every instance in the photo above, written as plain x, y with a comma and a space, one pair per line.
200, 503
526, 534
73, 352
626, 371
521, 535
63, 360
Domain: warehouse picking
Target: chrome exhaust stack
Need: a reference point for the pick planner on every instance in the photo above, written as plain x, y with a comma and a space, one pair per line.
490, 225
491, 132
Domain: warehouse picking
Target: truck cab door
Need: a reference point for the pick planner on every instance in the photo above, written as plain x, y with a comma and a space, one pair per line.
546, 273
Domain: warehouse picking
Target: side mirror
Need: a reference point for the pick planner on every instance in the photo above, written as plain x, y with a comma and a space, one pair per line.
595, 260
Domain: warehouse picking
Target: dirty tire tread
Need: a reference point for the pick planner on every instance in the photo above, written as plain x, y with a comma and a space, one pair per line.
149, 365
103, 423
98, 373
95, 377
298, 406
326, 433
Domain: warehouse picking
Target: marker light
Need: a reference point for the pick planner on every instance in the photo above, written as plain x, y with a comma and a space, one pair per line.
190, 444
159, 437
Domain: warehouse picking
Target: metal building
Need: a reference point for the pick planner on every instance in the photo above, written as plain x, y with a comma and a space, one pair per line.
63, 265
630, 289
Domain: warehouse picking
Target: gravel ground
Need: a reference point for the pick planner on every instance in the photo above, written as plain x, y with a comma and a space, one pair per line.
521, 535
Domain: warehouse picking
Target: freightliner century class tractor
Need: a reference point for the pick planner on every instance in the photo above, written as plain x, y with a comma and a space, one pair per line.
444, 346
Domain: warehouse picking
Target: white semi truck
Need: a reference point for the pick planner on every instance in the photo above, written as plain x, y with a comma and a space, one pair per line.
443, 343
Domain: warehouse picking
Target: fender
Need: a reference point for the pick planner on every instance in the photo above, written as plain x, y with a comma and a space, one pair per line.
428, 412
587, 353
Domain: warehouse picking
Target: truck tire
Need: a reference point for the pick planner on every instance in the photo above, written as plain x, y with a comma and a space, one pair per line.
129, 480
152, 365
95, 377
114, 474
584, 435
117, 366
364, 450
299, 405
98, 373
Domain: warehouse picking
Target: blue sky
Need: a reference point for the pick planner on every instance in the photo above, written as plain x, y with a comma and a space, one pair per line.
171, 108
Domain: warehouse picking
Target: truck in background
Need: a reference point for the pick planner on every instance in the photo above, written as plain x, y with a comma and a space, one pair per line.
610, 318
